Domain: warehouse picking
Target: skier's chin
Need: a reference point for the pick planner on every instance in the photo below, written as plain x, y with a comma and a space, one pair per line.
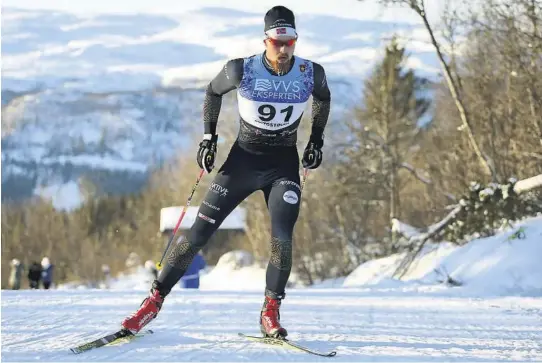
281, 65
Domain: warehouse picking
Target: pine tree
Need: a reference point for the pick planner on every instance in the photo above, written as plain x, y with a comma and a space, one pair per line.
384, 133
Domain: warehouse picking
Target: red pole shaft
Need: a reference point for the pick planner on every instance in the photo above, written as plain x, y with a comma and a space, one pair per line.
159, 265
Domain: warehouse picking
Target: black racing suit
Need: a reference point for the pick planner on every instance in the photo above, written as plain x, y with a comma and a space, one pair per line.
254, 163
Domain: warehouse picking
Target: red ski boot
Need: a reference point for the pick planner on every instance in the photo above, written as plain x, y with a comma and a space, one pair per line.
147, 311
270, 319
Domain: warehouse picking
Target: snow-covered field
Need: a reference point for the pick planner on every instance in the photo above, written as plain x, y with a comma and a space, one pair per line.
362, 324
368, 316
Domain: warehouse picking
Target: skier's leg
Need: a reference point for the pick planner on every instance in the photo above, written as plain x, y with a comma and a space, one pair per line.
283, 199
232, 184
225, 193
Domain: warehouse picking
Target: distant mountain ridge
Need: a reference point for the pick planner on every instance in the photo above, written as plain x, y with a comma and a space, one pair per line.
106, 97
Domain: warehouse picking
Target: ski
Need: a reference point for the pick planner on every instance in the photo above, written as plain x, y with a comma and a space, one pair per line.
285, 343
115, 338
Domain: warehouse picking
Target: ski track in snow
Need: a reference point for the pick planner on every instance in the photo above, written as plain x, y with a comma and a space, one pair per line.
361, 324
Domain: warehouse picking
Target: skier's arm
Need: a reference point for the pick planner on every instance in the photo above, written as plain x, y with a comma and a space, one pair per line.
226, 80
321, 101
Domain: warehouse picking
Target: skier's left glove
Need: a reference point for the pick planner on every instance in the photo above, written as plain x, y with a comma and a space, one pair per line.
207, 152
312, 157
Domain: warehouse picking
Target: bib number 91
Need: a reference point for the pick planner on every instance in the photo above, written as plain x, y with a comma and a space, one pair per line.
268, 112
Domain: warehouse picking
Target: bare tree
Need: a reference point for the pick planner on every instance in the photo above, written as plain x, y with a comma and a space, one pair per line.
419, 7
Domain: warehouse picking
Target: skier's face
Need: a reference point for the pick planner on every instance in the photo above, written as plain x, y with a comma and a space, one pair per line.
280, 51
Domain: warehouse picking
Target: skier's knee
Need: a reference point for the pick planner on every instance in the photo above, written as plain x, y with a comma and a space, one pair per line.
281, 253
182, 254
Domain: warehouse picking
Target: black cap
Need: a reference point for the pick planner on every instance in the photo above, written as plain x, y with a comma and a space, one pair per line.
279, 17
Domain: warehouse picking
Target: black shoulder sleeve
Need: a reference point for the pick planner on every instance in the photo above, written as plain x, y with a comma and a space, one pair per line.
321, 90
226, 80
321, 101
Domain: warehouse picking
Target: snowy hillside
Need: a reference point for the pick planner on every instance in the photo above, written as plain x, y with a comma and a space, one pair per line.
117, 92
507, 263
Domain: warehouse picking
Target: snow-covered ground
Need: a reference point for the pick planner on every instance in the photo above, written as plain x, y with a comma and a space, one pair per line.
495, 316
362, 324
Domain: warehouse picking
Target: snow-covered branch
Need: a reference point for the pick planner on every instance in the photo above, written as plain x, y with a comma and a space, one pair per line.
528, 184
479, 197
418, 241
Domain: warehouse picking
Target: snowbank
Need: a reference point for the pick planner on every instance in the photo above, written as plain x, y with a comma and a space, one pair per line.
238, 270
139, 279
507, 263
235, 270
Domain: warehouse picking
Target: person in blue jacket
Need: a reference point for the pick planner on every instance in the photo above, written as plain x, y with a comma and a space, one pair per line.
191, 279
46, 273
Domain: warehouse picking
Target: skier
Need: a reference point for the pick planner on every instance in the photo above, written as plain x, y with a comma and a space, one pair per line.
273, 89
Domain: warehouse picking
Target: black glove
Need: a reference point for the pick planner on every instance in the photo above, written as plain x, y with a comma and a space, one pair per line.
207, 152
312, 157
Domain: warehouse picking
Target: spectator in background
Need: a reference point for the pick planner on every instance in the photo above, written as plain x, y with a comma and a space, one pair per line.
15, 274
106, 277
133, 263
190, 280
46, 273
34, 275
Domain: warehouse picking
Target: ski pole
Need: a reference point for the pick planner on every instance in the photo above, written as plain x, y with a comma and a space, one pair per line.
159, 264
305, 173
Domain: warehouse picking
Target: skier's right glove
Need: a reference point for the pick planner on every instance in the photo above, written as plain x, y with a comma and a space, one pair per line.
312, 157
207, 152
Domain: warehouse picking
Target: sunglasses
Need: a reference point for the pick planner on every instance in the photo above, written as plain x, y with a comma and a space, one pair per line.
279, 43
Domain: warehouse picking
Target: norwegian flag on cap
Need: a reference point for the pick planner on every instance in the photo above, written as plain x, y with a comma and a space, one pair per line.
280, 22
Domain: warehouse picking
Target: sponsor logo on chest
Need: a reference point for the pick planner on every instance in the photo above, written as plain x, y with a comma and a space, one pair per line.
276, 90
